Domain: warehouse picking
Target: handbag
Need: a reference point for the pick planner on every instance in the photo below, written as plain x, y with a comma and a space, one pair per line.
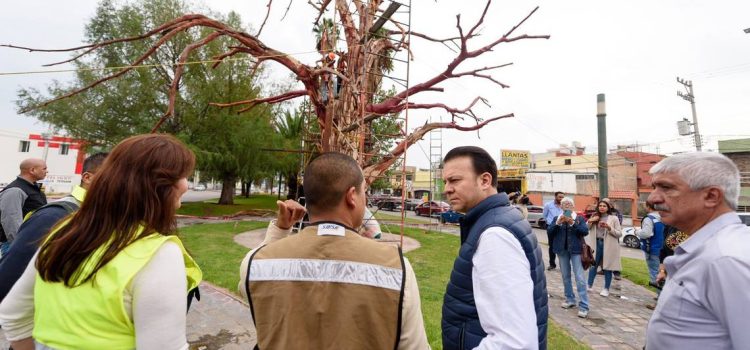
587, 255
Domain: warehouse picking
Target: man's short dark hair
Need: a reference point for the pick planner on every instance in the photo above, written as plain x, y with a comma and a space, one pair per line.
94, 161
559, 192
480, 160
327, 178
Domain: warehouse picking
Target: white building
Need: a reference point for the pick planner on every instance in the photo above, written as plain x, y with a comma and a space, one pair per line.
64, 162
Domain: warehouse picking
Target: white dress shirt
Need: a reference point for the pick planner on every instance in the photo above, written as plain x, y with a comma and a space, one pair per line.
706, 301
504, 292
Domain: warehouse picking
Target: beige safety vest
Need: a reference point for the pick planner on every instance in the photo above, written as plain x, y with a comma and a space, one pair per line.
326, 288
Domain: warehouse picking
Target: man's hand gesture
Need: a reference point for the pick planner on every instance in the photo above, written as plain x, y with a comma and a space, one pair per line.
290, 212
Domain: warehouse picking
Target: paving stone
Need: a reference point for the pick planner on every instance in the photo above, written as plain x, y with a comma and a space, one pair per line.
607, 316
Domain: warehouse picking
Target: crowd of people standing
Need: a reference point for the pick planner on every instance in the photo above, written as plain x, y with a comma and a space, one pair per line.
107, 270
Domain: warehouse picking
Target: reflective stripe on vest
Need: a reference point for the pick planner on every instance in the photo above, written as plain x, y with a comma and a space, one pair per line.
326, 292
92, 315
315, 270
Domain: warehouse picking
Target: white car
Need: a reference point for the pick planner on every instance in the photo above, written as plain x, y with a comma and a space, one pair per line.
630, 237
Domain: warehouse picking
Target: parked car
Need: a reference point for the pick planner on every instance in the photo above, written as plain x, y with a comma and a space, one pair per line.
535, 217
450, 216
391, 204
432, 208
630, 237
412, 203
200, 187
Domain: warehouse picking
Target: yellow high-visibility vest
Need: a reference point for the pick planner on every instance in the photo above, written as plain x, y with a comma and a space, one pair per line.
92, 315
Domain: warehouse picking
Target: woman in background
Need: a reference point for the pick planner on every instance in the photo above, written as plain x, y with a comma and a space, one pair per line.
604, 226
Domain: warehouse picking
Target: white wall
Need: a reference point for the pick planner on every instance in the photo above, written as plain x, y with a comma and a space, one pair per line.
551, 182
62, 168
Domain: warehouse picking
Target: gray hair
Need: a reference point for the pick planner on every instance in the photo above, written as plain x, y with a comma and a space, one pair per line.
567, 200
704, 169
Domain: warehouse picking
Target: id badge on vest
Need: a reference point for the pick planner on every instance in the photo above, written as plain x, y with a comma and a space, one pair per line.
329, 229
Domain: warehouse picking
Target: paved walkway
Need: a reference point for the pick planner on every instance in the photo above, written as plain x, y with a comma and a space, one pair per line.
615, 322
220, 320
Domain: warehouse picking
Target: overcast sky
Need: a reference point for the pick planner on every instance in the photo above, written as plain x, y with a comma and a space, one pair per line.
631, 51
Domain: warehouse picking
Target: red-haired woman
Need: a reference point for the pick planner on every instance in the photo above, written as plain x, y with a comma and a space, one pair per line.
113, 276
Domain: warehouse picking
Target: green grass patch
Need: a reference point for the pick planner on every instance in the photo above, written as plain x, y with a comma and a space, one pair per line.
210, 208
559, 338
397, 217
213, 248
636, 271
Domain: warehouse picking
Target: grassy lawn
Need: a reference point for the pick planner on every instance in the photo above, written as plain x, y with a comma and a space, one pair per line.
391, 217
213, 248
210, 208
636, 271
215, 251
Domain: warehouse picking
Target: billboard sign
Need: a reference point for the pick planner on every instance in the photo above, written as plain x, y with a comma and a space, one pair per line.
514, 158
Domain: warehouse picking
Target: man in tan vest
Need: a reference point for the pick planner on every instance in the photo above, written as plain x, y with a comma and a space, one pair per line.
328, 287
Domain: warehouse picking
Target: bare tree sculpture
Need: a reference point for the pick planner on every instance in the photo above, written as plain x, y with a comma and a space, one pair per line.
340, 119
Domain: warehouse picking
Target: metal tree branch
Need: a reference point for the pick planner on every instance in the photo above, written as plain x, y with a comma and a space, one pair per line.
391, 104
268, 12
360, 72
178, 75
256, 101
373, 170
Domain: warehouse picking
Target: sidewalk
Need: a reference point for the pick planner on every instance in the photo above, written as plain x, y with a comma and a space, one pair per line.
615, 322
219, 321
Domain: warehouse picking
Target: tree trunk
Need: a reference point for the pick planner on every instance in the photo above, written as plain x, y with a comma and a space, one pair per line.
247, 186
227, 189
245, 190
291, 185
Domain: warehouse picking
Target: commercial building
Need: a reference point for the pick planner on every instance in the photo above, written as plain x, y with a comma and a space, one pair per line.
64, 158
570, 170
739, 152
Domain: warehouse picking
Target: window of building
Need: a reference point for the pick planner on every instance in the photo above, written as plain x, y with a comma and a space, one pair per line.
64, 148
408, 177
586, 177
568, 162
23, 146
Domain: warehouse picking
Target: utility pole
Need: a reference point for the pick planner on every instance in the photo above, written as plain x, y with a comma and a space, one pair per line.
46, 136
690, 97
601, 118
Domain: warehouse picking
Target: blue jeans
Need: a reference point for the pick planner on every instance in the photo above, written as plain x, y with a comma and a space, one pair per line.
599, 259
566, 260
652, 260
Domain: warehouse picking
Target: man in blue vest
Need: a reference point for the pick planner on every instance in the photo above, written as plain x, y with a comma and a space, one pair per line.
652, 239
497, 296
